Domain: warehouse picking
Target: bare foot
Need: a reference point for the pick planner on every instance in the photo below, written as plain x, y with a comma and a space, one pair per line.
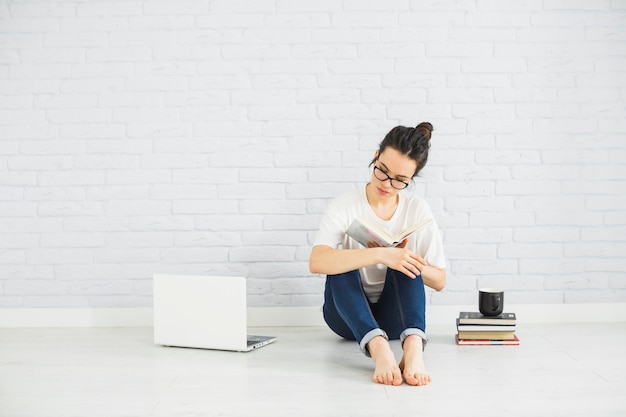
412, 363
387, 371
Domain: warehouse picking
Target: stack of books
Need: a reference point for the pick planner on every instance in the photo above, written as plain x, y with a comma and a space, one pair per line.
475, 329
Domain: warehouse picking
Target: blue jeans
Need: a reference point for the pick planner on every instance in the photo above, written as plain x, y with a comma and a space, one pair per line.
400, 311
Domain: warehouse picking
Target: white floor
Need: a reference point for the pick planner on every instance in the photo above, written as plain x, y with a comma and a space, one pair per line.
559, 370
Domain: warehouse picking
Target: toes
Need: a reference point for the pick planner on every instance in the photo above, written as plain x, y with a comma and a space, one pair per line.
411, 380
381, 379
388, 378
421, 380
417, 379
395, 378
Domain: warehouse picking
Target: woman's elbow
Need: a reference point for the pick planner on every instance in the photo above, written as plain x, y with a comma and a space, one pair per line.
313, 267
315, 260
314, 264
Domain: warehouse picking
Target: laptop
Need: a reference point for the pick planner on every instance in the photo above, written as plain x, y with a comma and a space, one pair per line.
207, 312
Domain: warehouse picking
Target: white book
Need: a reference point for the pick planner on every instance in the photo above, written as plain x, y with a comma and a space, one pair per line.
370, 235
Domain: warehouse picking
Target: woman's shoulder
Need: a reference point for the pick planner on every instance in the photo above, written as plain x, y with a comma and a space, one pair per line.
415, 203
347, 206
349, 198
413, 199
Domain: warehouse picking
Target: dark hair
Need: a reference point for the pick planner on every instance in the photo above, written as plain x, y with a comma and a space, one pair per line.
411, 142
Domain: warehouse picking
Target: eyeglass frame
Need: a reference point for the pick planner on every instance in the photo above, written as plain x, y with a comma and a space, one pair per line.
387, 177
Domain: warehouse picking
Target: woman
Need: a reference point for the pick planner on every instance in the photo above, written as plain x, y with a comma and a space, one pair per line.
375, 294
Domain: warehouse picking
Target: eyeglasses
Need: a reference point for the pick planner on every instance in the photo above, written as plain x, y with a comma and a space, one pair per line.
395, 183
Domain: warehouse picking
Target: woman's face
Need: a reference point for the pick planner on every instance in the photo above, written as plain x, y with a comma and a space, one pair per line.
392, 166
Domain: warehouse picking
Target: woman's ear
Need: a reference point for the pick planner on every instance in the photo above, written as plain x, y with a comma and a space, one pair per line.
375, 158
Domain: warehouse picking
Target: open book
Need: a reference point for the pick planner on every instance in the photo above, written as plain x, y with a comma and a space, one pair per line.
363, 232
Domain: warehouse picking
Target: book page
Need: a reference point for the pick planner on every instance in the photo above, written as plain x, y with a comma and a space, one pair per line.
364, 232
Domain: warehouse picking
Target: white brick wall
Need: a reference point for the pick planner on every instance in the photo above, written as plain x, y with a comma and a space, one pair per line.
207, 136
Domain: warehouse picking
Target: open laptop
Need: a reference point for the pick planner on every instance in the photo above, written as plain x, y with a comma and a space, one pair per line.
202, 312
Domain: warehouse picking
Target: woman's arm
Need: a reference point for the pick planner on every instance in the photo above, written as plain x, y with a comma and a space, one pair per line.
433, 277
329, 261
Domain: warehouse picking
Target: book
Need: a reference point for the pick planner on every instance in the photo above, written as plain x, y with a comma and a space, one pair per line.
484, 327
486, 335
472, 317
365, 232
475, 342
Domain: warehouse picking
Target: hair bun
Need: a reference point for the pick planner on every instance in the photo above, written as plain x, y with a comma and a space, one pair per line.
426, 129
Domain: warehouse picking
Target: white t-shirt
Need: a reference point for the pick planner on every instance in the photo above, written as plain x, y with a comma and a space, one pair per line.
426, 242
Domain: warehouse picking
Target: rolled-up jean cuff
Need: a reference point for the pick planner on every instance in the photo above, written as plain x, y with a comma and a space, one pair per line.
414, 331
368, 337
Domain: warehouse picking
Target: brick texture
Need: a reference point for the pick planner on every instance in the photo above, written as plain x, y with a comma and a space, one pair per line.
207, 136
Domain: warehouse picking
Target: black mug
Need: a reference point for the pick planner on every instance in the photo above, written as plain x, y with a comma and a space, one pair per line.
490, 301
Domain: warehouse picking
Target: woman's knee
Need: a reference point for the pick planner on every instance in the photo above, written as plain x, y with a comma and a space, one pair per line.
335, 323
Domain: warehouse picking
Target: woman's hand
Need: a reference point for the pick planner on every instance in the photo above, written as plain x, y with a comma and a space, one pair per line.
405, 261
402, 260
